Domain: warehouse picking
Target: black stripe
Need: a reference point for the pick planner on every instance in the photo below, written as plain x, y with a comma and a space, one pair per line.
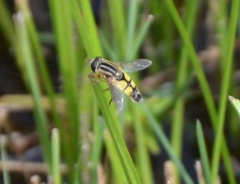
108, 67
128, 84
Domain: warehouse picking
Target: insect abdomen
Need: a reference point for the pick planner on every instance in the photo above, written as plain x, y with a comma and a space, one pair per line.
129, 88
136, 95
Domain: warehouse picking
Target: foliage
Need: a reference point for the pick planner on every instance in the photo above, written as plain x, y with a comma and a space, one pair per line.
126, 31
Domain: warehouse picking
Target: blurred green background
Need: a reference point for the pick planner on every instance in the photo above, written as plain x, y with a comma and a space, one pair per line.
57, 125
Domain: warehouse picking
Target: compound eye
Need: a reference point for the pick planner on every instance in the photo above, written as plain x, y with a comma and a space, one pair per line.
94, 63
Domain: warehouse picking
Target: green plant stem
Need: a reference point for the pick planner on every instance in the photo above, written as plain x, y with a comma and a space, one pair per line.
112, 123
178, 118
202, 81
24, 44
225, 87
62, 23
167, 146
140, 36
194, 59
203, 153
98, 129
141, 149
118, 24
131, 26
56, 157
6, 177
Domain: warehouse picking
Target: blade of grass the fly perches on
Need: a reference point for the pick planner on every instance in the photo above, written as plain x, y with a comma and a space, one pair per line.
56, 171
203, 153
227, 80
143, 158
6, 177
62, 24
202, 81
236, 104
115, 161
112, 123
30, 70
183, 73
165, 143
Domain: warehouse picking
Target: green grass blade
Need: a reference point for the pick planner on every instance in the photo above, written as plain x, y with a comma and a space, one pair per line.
194, 59
118, 24
98, 129
143, 30
202, 81
228, 58
112, 124
37, 48
30, 70
131, 26
118, 170
183, 72
56, 157
91, 27
236, 104
143, 160
167, 146
203, 153
6, 177
6, 23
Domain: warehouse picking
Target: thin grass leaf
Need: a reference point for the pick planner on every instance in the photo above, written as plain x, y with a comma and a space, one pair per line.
6, 23
60, 13
56, 157
43, 69
202, 81
194, 59
183, 74
203, 153
30, 70
90, 27
228, 57
131, 27
110, 52
112, 124
6, 177
142, 32
236, 104
143, 160
118, 24
118, 171
98, 128
167, 146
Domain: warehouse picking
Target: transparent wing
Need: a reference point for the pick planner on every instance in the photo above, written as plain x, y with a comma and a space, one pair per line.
117, 95
136, 65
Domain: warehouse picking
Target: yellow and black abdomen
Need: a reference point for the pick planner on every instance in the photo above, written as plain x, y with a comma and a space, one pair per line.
129, 88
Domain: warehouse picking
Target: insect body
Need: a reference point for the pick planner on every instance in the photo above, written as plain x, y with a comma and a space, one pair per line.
118, 80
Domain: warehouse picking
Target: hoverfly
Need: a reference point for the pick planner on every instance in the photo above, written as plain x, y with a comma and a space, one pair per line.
117, 78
